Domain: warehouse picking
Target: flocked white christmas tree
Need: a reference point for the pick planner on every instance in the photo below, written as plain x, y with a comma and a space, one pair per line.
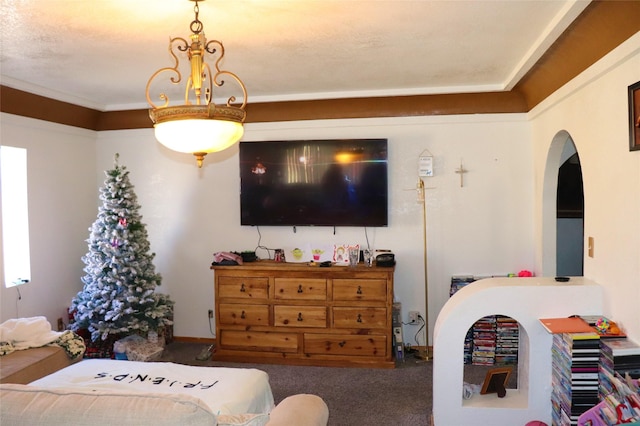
118, 297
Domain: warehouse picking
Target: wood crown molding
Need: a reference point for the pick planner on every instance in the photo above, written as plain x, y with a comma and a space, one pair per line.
27, 104
601, 27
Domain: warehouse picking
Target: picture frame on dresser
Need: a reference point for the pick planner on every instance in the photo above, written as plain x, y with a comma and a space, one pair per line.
634, 117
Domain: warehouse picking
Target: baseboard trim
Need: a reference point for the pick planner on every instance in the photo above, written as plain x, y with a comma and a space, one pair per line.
203, 340
423, 354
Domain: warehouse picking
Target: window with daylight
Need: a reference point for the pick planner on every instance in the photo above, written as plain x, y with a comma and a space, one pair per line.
15, 216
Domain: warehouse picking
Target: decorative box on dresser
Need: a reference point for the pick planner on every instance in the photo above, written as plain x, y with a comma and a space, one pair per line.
293, 313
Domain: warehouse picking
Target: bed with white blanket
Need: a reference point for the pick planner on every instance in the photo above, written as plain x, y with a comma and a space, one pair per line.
223, 390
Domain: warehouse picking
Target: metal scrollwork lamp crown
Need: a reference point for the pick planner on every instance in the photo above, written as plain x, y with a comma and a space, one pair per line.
199, 126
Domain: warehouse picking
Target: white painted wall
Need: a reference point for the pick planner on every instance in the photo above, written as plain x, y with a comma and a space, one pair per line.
61, 169
592, 108
191, 213
481, 228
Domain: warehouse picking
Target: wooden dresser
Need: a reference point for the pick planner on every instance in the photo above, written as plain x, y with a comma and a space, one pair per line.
307, 315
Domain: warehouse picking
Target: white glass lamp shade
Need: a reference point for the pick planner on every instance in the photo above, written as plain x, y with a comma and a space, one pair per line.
198, 135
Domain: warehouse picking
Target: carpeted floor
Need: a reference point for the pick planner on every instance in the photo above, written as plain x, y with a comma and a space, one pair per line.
355, 396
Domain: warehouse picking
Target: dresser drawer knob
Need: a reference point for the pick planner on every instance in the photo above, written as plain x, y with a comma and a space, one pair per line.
341, 344
243, 315
300, 288
242, 289
359, 318
359, 290
299, 316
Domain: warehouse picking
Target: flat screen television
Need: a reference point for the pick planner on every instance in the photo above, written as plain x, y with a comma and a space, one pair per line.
314, 183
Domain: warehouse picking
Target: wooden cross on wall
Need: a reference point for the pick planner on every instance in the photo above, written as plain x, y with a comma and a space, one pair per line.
461, 171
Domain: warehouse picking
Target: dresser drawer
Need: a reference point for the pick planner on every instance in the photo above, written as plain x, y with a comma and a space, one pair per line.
300, 316
332, 344
236, 314
243, 287
359, 289
359, 317
259, 341
300, 289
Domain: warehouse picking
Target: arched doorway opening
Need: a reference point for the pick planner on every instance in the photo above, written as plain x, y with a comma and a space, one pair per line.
563, 209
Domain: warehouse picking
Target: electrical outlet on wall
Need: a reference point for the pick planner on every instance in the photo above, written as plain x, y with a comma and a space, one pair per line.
210, 313
413, 317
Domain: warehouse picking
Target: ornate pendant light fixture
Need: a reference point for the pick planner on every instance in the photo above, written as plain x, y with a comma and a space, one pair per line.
199, 126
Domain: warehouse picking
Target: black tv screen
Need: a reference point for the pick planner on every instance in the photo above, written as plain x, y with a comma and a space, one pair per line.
314, 182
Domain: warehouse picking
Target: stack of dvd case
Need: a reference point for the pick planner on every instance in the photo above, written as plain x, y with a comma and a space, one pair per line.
507, 335
620, 356
575, 361
484, 341
458, 282
620, 406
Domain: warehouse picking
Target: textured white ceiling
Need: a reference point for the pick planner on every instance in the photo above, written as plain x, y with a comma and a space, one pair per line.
100, 53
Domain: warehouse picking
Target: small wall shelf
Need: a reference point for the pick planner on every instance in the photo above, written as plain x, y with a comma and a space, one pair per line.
517, 399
